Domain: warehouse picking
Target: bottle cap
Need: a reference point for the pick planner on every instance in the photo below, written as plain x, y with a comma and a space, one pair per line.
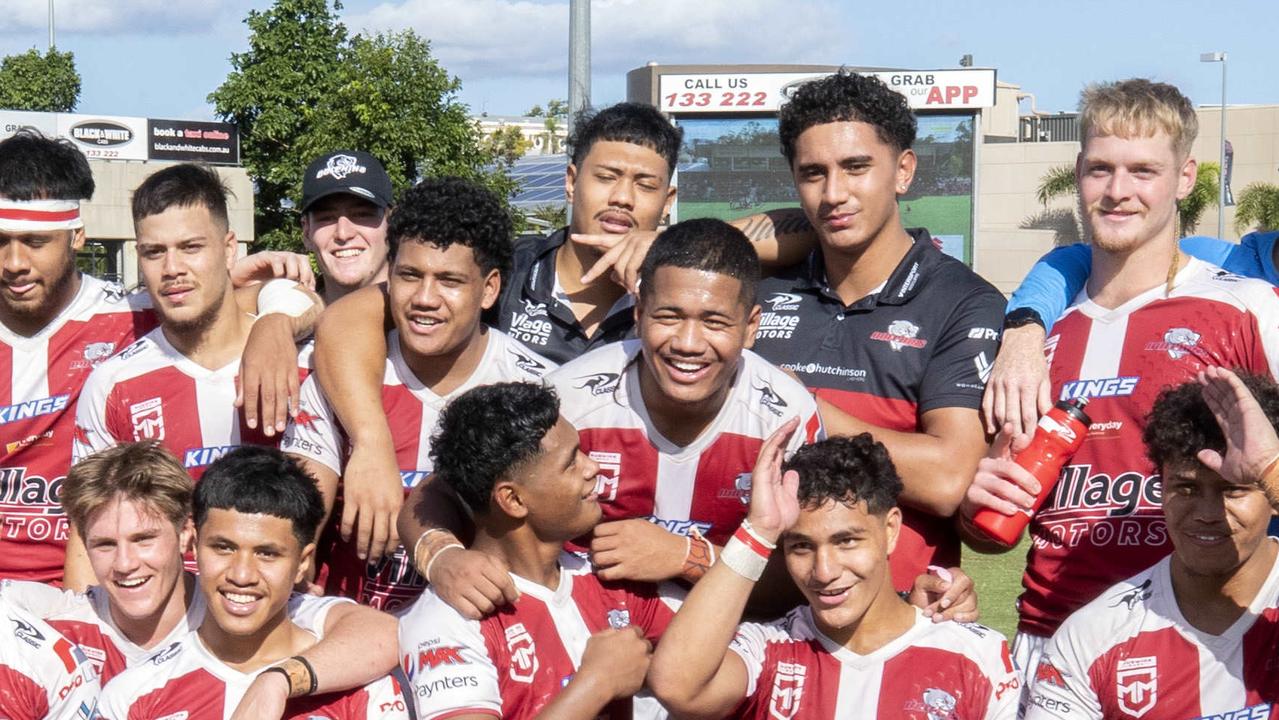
1075, 408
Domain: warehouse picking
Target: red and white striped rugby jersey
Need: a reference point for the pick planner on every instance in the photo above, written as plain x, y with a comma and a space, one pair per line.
42, 673
1103, 521
85, 619
150, 391
412, 411
1132, 654
513, 663
40, 382
703, 485
185, 681
934, 671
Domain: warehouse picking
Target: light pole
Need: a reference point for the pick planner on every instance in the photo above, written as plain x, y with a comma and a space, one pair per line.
579, 59
1221, 177
51, 25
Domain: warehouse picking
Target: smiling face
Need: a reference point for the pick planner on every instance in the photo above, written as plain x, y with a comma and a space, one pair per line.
37, 273
1129, 188
185, 259
558, 487
693, 325
1215, 526
248, 565
619, 187
437, 296
848, 180
136, 556
348, 236
838, 557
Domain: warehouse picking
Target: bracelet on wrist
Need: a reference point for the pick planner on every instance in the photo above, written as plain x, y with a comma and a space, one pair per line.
435, 556
698, 557
299, 673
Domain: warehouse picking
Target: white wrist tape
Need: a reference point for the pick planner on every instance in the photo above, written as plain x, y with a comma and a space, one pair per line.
744, 557
284, 297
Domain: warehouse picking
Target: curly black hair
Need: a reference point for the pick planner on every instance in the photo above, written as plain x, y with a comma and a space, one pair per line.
35, 167
634, 123
487, 431
847, 97
848, 470
1181, 424
257, 480
445, 210
704, 244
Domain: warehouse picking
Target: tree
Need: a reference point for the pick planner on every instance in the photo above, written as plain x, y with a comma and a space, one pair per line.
40, 83
1258, 207
1060, 182
506, 144
305, 87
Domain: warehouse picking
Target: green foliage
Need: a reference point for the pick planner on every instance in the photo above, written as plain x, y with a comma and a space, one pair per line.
1060, 182
507, 144
305, 87
1057, 182
1258, 207
40, 83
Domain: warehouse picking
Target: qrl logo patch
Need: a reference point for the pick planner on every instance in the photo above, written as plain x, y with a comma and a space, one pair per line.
523, 653
148, 419
1137, 684
788, 691
610, 474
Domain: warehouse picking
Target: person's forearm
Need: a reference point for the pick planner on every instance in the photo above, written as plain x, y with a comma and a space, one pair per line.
584, 698
350, 358
781, 237
1053, 282
360, 645
694, 646
934, 473
430, 506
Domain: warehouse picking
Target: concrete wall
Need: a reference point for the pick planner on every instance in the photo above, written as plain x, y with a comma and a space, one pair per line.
1253, 131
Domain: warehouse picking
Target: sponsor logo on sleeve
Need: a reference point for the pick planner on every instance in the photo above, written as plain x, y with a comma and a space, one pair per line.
984, 367
1137, 684
1048, 674
769, 398
788, 690
1131, 598
432, 658
983, 333
26, 632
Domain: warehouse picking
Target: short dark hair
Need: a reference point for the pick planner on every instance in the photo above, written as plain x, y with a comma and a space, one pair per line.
445, 210
847, 470
35, 167
635, 123
847, 97
257, 480
488, 431
704, 244
1181, 424
184, 185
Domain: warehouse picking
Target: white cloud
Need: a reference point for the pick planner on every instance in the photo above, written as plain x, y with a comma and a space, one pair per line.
115, 16
503, 38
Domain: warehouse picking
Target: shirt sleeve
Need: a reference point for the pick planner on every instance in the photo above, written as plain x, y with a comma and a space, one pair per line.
1005, 686
313, 433
21, 698
447, 662
656, 606
1255, 251
1062, 687
1053, 282
311, 613
92, 429
959, 367
39, 599
749, 643
1219, 252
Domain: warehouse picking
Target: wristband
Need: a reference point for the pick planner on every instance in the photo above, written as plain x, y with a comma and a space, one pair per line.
435, 555
284, 297
746, 553
299, 673
426, 547
417, 546
698, 557
1022, 317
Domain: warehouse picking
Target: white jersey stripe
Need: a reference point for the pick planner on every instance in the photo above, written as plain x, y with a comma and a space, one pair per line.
31, 385
1100, 358
858, 690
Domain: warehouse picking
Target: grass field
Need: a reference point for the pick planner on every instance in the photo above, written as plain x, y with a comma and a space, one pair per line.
998, 579
942, 215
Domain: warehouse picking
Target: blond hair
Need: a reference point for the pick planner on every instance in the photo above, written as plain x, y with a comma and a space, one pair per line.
1138, 108
143, 472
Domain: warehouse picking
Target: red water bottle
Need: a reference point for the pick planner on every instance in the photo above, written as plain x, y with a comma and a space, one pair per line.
1060, 433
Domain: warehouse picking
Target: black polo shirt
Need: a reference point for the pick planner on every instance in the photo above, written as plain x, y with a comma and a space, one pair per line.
925, 340
529, 311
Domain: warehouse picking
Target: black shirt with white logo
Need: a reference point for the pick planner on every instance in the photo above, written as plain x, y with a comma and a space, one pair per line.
925, 340
529, 311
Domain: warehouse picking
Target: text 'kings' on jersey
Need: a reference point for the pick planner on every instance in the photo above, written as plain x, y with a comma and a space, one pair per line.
703, 485
1103, 520
924, 341
413, 411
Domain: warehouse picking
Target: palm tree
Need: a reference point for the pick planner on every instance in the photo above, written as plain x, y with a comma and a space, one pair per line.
1258, 206
1060, 182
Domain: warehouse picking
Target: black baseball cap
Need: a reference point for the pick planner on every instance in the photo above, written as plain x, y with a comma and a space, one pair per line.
346, 171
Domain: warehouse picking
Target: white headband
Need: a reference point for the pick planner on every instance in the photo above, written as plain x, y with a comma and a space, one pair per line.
39, 215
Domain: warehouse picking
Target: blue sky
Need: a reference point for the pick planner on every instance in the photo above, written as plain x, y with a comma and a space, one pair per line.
161, 58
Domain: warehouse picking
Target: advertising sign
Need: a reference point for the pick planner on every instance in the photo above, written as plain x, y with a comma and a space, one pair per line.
193, 141
765, 92
107, 137
12, 120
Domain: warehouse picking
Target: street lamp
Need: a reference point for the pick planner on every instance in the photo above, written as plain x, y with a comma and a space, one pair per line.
1221, 178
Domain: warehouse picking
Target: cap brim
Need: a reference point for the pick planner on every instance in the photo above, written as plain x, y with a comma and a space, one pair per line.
359, 192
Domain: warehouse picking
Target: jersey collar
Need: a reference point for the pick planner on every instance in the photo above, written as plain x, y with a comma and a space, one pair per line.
902, 285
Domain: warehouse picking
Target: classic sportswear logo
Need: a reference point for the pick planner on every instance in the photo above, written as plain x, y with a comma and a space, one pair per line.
599, 383
784, 301
526, 363
339, 166
770, 399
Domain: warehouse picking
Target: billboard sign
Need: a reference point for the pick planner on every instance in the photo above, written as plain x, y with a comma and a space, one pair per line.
12, 120
972, 88
193, 141
105, 137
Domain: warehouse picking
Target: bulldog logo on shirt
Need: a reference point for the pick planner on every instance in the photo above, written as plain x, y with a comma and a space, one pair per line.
1137, 684
939, 704
901, 333
788, 690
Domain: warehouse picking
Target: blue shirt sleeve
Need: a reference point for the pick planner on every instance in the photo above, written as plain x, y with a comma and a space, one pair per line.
1053, 282
1252, 257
